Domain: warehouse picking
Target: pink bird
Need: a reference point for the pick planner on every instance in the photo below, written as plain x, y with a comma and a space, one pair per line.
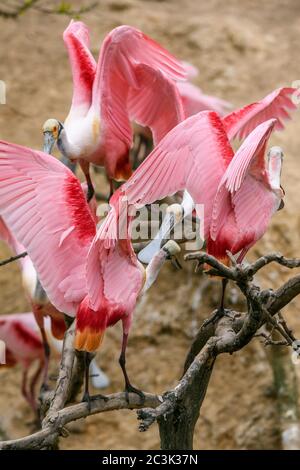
24, 346
133, 80
239, 124
238, 191
43, 204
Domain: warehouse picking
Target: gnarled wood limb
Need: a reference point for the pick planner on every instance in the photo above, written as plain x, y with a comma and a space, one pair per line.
55, 424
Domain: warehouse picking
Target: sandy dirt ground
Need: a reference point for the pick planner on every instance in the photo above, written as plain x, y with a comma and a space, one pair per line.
243, 51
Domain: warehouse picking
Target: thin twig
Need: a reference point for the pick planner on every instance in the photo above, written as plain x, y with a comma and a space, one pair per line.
13, 258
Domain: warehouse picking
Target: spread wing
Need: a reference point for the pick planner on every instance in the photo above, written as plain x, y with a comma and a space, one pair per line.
276, 105
249, 161
130, 65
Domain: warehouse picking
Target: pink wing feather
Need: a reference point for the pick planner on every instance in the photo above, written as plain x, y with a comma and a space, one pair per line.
277, 105
254, 206
246, 162
120, 75
191, 70
42, 203
83, 64
119, 278
20, 334
192, 156
194, 100
122, 279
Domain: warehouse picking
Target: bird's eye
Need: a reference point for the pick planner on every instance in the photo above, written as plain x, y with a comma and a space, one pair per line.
55, 129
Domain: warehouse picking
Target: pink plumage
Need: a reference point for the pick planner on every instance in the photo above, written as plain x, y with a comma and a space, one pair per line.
246, 199
23, 345
77, 40
235, 190
193, 156
59, 236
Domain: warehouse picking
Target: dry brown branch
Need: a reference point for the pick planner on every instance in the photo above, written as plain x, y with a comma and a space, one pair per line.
14, 11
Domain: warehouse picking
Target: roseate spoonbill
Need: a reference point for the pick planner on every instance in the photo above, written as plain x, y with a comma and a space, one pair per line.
82, 276
133, 80
196, 156
239, 124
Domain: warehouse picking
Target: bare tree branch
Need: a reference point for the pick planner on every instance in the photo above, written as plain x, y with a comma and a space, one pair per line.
56, 425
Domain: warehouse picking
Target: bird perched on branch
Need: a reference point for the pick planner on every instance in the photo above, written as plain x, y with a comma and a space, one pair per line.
41, 306
133, 80
238, 191
97, 282
237, 124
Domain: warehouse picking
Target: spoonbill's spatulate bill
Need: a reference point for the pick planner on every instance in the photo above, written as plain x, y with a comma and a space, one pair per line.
133, 80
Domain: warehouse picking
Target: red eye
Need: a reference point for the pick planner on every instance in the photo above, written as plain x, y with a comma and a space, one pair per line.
55, 129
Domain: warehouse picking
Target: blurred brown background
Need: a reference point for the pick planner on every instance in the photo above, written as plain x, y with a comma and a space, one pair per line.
243, 49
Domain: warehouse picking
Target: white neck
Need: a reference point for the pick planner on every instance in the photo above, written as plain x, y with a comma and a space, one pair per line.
66, 148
